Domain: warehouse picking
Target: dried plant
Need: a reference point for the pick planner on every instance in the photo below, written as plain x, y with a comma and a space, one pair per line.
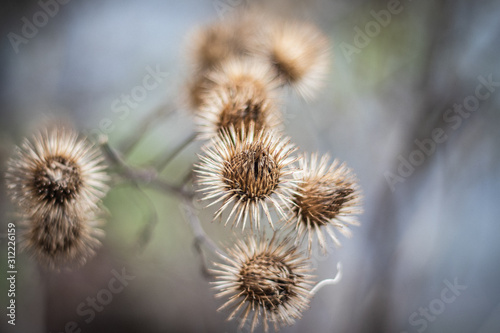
299, 53
268, 279
247, 167
57, 180
241, 93
328, 199
249, 172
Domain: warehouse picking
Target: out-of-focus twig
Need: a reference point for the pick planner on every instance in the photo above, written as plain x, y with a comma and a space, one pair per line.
160, 113
200, 237
163, 163
148, 177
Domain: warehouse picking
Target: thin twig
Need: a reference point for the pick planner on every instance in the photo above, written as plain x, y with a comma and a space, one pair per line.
195, 224
163, 111
148, 177
188, 177
152, 221
200, 237
163, 163
328, 282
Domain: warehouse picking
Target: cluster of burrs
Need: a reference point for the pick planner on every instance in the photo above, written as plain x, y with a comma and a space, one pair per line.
248, 168
57, 181
252, 172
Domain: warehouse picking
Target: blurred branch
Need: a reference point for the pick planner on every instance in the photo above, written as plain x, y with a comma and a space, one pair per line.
148, 177
200, 237
160, 113
163, 163
152, 221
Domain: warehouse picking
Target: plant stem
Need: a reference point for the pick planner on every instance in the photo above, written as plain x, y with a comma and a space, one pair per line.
148, 177
163, 111
328, 282
163, 163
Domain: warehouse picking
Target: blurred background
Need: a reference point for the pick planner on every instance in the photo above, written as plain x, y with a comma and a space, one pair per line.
412, 104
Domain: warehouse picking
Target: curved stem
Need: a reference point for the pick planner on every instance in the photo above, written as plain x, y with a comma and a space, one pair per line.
159, 114
163, 163
200, 237
148, 177
328, 282
151, 178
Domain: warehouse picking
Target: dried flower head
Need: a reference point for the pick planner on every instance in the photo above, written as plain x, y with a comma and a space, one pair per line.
64, 241
250, 171
212, 45
299, 53
57, 180
56, 174
328, 199
241, 92
215, 43
267, 279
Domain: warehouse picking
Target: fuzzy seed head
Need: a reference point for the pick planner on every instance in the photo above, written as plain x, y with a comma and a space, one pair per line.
241, 92
252, 172
62, 242
249, 172
264, 279
217, 42
56, 181
327, 199
299, 53
55, 174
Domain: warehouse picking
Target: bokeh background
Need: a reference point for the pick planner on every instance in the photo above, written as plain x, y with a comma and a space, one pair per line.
437, 225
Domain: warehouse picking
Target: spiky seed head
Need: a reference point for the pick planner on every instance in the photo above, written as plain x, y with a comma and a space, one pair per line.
299, 53
212, 44
268, 279
57, 181
250, 172
327, 200
61, 242
241, 92
56, 174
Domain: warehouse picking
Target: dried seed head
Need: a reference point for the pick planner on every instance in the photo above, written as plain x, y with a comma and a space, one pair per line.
57, 181
248, 171
213, 44
327, 199
267, 279
299, 53
56, 174
241, 92
63, 242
